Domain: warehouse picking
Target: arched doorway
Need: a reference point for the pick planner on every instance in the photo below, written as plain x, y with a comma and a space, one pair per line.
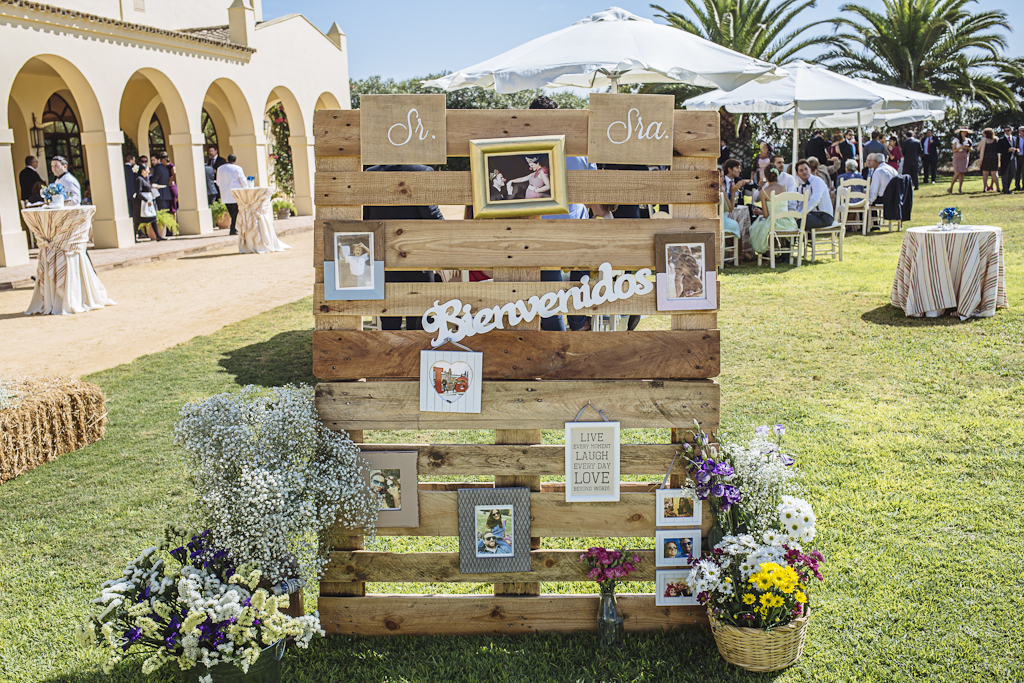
157, 140
228, 125
295, 141
209, 130
62, 136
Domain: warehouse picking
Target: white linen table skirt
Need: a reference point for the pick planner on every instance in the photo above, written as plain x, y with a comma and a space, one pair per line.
256, 234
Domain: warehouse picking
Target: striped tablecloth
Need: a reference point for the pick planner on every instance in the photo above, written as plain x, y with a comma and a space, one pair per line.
958, 269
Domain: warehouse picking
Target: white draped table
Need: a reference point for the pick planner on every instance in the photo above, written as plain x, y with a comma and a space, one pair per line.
958, 269
65, 279
255, 222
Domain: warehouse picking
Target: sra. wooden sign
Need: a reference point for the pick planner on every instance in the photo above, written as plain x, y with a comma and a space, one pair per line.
630, 129
402, 129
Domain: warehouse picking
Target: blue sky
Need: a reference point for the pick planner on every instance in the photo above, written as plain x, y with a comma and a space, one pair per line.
405, 38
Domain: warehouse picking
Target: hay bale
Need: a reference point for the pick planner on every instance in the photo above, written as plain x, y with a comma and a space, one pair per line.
42, 418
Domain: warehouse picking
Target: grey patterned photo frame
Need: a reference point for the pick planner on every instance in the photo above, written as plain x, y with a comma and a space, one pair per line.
486, 544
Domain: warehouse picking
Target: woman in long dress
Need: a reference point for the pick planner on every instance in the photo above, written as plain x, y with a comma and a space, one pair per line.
961, 157
539, 186
989, 161
759, 229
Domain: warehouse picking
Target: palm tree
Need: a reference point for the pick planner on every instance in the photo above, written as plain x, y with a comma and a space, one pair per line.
933, 46
763, 29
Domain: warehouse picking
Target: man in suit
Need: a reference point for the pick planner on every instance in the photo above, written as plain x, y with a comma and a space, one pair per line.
1020, 158
381, 213
1008, 147
817, 147
876, 146
129, 180
911, 157
498, 187
72, 190
214, 160
28, 177
930, 155
848, 148
161, 175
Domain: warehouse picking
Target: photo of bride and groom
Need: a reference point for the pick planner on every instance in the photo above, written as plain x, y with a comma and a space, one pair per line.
517, 176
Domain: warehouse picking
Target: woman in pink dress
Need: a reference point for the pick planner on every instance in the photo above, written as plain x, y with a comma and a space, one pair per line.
539, 187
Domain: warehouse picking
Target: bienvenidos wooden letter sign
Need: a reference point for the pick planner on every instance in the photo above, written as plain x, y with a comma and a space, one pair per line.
630, 129
402, 129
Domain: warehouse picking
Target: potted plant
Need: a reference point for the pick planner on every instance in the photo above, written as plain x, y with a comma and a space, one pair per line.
219, 214
756, 582
188, 605
283, 209
166, 223
607, 567
273, 484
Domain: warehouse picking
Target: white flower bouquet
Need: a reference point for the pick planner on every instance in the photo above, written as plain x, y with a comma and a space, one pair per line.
191, 606
272, 481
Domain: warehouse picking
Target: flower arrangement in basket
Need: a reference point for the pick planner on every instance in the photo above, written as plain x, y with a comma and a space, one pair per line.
51, 192
192, 606
950, 217
755, 583
607, 567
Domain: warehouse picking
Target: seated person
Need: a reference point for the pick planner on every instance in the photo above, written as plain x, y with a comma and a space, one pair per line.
819, 204
36, 195
881, 175
852, 172
759, 229
737, 218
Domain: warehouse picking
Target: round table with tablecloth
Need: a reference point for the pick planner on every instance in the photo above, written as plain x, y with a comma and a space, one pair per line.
959, 269
66, 282
255, 224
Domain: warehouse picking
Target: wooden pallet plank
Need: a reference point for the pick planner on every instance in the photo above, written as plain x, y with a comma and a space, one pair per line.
472, 615
631, 516
696, 134
522, 404
546, 565
414, 298
401, 188
498, 243
524, 355
544, 460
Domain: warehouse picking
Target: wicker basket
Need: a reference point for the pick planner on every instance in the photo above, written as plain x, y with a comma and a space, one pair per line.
754, 650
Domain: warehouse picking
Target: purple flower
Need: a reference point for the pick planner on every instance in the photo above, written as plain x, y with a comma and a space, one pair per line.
702, 491
780, 430
724, 506
701, 477
786, 460
709, 466
718, 490
724, 469
732, 494
763, 430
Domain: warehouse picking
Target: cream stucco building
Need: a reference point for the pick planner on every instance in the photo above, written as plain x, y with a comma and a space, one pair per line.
166, 74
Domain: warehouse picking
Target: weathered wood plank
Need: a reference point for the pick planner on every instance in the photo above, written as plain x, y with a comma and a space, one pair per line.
337, 131
454, 187
526, 355
491, 459
502, 243
546, 565
543, 404
551, 515
519, 479
472, 615
414, 298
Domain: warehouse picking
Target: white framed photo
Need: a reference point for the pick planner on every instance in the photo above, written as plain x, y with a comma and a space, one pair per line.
670, 588
450, 381
591, 462
676, 547
678, 507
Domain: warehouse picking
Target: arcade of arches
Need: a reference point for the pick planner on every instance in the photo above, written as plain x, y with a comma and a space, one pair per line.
179, 92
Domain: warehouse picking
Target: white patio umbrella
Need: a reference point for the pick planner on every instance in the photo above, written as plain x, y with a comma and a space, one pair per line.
848, 120
608, 48
808, 89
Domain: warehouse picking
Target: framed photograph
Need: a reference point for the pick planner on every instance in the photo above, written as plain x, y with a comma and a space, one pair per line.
353, 264
674, 547
494, 530
450, 381
518, 176
394, 484
670, 588
678, 507
687, 272
591, 462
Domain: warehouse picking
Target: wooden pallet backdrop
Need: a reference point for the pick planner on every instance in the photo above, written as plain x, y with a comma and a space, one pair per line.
534, 380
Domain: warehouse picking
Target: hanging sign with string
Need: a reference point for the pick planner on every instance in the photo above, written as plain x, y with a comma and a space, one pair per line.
591, 459
450, 381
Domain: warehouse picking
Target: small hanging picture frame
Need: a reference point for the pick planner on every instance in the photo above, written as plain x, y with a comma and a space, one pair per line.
678, 507
450, 381
592, 461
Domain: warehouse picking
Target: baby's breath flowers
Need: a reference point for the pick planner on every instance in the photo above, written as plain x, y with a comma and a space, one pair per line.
271, 480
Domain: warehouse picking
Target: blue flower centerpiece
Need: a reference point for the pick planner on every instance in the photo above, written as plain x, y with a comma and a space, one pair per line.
52, 191
949, 218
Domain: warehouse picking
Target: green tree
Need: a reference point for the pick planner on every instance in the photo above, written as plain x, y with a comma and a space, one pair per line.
768, 30
281, 150
933, 46
467, 98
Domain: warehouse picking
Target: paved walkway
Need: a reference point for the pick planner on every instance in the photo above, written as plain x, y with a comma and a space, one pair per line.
173, 292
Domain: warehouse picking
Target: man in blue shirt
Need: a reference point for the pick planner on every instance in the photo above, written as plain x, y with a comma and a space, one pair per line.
489, 544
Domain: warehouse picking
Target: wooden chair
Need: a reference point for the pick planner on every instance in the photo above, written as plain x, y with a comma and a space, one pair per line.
858, 214
730, 243
777, 235
835, 232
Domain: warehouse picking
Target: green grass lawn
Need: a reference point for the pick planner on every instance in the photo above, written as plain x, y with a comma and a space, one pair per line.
910, 433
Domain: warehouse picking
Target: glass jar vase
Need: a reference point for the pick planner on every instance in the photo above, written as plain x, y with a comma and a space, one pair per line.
610, 625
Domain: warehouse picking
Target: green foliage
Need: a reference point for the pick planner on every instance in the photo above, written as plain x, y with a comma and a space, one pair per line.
217, 210
281, 149
934, 46
467, 98
280, 204
165, 219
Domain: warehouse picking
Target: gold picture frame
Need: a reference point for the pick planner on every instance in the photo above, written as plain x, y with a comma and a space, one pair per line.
538, 188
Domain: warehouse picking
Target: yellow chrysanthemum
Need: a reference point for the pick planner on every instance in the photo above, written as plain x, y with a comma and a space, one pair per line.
749, 599
800, 596
762, 580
